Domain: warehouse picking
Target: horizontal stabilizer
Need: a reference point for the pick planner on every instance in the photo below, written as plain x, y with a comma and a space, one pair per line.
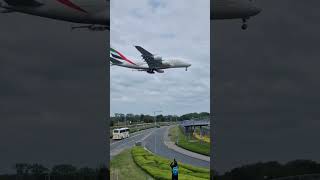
114, 61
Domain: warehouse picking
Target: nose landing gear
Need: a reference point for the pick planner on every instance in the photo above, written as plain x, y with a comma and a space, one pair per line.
244, 24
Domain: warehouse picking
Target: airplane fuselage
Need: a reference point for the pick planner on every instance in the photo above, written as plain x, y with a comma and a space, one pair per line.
96, 12
233, 9
166, 64
78, 11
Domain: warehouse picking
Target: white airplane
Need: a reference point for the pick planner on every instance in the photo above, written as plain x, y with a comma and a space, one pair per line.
233, 9
151, 62
93, 13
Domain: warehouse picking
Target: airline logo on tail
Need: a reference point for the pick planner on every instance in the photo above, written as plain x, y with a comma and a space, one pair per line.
72, 5
117, 56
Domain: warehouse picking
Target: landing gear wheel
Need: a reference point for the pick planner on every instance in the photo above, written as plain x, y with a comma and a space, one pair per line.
244, 26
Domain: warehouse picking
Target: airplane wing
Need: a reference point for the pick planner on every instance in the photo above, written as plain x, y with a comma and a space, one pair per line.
33, 3
149, 58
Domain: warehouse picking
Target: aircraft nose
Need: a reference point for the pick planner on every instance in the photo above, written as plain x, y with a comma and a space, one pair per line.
255, 10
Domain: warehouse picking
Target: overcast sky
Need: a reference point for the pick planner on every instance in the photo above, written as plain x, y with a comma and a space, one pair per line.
167, 28
266, 82
53, 93
267, 85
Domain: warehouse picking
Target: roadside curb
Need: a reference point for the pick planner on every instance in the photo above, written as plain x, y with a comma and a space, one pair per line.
171, 145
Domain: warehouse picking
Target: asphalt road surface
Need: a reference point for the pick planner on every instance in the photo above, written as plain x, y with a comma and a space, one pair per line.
116, 146
153, 140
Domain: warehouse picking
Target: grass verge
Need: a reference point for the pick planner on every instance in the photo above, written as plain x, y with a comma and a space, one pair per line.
191, 144
201, 138
124, 167
158, 167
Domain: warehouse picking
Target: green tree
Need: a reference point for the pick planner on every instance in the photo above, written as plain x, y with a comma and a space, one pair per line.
38, 170
64, 170
141, 117
87, 173
22, 169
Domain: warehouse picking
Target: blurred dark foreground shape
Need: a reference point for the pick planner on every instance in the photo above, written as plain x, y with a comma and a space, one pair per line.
26, 171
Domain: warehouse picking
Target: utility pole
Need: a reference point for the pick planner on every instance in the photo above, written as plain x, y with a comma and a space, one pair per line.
117, 115
155, 119
177, 132
125, 120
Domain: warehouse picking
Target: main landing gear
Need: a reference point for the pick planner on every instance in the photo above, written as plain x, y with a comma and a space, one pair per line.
150, 71
91, 27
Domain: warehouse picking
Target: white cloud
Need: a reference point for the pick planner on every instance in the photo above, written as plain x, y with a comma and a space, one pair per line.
179, 28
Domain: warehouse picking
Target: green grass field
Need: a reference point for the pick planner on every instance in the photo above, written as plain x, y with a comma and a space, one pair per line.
123, 167
159, 168
192, 144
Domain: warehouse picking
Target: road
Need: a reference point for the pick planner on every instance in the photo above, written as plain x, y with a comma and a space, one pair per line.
153, 140
119, 145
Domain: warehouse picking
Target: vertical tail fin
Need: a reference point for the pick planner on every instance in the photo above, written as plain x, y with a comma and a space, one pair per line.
114, 54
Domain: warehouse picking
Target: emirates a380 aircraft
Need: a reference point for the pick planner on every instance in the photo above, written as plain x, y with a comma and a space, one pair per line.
152, 62
93, 13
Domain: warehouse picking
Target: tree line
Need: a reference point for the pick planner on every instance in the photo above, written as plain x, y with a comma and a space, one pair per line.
146, 118
271, 170
25, 171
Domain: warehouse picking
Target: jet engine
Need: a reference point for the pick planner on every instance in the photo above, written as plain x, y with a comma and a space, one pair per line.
157, 58
159, 71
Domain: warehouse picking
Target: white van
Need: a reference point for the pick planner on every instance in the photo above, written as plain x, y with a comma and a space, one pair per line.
121, 133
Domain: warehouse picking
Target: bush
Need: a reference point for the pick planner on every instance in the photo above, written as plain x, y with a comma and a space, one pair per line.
195, 145
159, 168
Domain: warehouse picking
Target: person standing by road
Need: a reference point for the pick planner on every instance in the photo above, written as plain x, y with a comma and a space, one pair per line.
174, 169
